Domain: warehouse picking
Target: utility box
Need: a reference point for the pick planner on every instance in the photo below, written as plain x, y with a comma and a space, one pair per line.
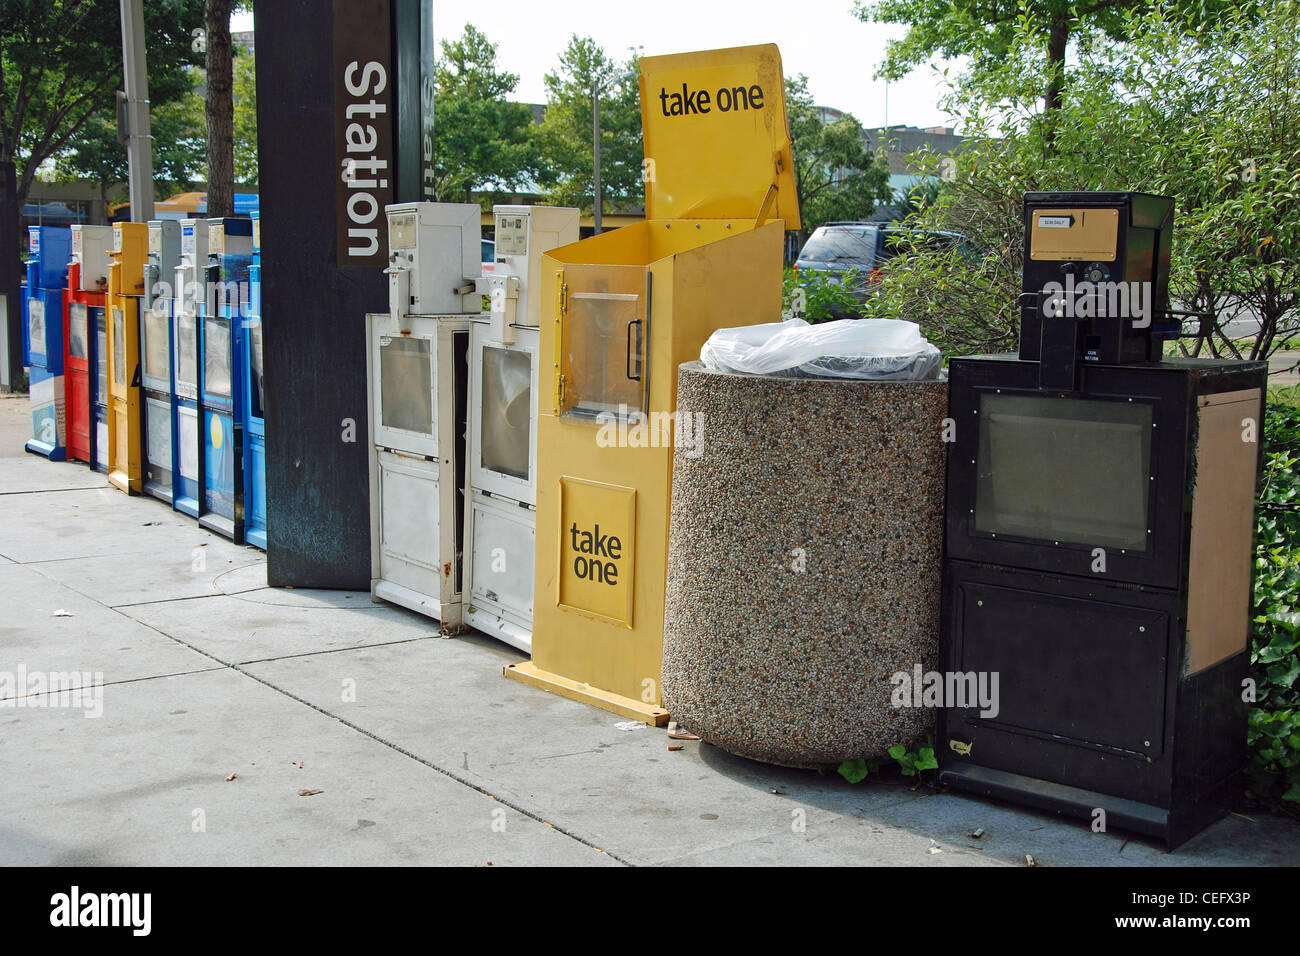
1102, 260
418, 380
428, 242
501, 476
156, 350
620, 312
125, 285
49, 249
90, 250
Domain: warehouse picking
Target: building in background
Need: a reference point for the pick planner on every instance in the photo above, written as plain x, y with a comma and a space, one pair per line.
899, 142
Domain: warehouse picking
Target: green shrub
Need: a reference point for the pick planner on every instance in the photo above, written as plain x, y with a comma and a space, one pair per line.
822, 295
1273, 736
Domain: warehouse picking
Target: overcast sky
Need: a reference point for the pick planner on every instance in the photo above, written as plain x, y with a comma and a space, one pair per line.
820, 38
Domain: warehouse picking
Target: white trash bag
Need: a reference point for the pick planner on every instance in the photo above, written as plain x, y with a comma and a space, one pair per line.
881, 349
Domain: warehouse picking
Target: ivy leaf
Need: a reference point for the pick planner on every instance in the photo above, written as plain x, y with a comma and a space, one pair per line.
854, 771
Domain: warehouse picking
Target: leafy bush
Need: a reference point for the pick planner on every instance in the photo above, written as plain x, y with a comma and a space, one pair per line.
1210, 117
816, 296
1273, 736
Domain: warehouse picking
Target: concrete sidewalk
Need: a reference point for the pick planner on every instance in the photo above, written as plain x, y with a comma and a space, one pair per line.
420, 751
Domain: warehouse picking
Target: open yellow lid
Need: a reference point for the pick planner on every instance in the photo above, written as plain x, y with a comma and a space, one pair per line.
717, 142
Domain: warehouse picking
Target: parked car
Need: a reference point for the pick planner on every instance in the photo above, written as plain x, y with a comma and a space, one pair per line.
855, 251
488, 253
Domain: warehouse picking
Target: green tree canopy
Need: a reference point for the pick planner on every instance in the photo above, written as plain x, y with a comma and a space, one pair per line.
61, 63
987, 30
245, 104
481, 140
837, 176
563, 140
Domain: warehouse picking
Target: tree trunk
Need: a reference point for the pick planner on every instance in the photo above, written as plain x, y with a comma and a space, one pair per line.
220, 109
1058, 39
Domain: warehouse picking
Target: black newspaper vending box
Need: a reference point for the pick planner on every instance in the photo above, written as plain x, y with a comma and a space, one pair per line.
1099, 548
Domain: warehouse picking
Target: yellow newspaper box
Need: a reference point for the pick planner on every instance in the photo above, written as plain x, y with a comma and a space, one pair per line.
620, 312
125, 283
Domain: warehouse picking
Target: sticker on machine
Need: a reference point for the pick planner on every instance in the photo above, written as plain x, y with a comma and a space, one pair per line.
597, 545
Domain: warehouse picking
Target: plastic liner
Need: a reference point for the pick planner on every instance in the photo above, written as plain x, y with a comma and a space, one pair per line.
881, 349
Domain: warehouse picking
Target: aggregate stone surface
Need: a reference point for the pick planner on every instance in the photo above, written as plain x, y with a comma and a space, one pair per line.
804, 564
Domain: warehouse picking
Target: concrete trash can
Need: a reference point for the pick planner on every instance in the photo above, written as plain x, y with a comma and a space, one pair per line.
804, 557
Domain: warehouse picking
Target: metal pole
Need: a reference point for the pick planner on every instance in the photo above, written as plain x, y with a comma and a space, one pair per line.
11, 236
139, 151
595, 153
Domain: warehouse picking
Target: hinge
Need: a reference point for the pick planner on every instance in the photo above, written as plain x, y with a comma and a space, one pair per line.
562, 303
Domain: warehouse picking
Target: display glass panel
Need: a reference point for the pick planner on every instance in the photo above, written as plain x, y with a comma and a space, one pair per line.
406, 384
216, 356
602, 340
101, 356
1064, 470
101, 445
157, 349
119, 345
187, 366
507, 411
78, 332
255, 390
187, 437
36, 325
158, 437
